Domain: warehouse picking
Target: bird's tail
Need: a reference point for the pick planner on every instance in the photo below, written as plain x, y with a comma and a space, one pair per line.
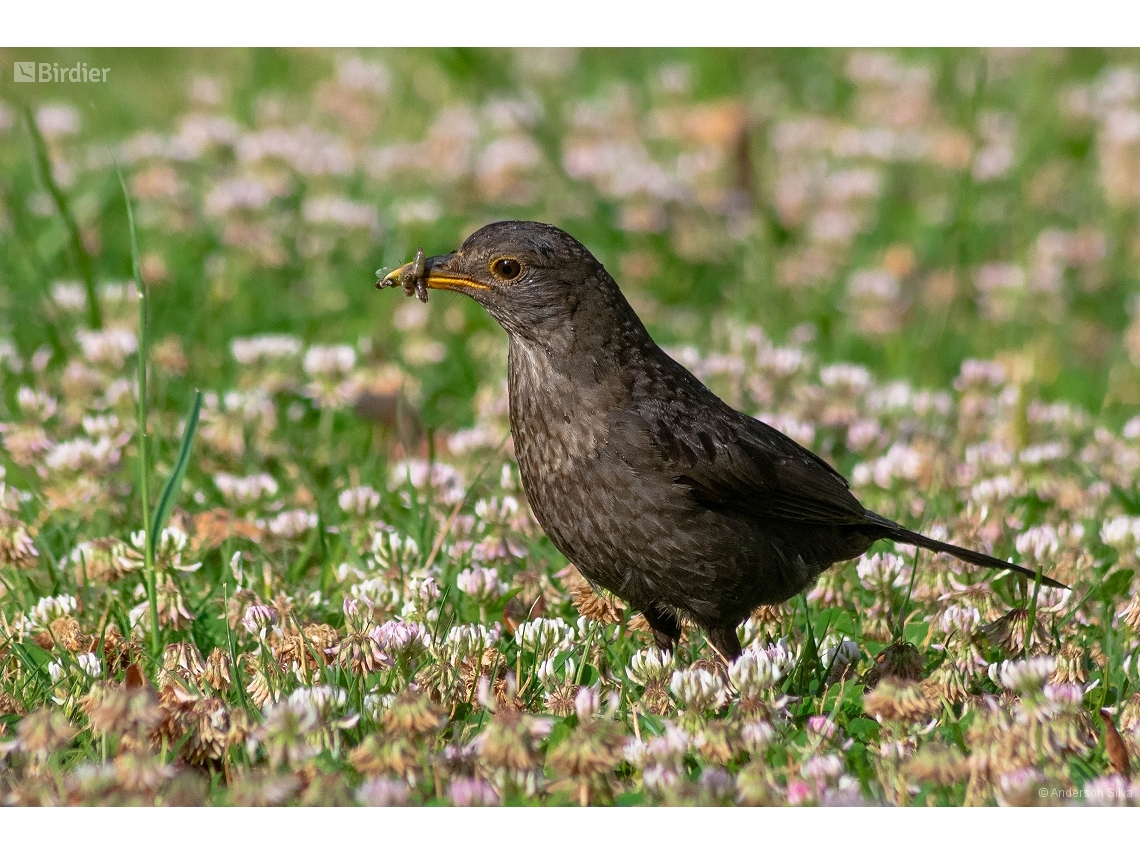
893, 531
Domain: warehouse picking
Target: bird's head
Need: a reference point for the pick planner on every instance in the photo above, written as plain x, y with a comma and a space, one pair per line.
531, 277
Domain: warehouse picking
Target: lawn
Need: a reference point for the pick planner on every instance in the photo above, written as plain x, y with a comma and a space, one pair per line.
921, 264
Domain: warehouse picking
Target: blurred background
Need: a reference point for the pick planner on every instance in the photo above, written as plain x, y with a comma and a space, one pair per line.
901, 209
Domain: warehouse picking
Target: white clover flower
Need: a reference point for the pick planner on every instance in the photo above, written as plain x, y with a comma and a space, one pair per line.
324, 701
756, 735
358, 500
136, 617
101, 425
55, 670
35, 404
900, 463
698, 690
109, 347
849, 379
10, 356
401, 638
259, 619
445, 480
545, 635
51, 608
264, 347
245, 490
468, 639
481, 584
376, 704
826, 767
882, 572
835, 651
1040, 542
670, 748
1121, 533
781, 361
587, 702
375, 593
389, 549
1023, 676
292, 524
1035, 455
83, 455
90, 665
551, 674
961, 619
1065, 696
237, 194
340, 211
650, 665
330, 362
753, 672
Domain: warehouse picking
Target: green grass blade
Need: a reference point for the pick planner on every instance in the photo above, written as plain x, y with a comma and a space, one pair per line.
144, 459
174, 483
82, 257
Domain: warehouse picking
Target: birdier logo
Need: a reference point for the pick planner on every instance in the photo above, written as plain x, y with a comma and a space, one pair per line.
52, 72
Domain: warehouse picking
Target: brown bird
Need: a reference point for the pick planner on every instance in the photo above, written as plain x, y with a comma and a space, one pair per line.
653, 486
1114, 747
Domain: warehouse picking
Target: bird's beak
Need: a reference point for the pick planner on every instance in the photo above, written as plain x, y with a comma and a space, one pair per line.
437, 274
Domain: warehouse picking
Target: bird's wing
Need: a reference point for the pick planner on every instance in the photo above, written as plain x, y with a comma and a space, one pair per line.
736, 462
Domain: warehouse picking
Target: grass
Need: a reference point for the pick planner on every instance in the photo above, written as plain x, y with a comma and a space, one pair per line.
318, 652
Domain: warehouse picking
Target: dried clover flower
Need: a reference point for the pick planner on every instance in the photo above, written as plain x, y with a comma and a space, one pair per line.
42, 732
413, 714
893, 699
1008, 633
119, 711
936, 764
901, 659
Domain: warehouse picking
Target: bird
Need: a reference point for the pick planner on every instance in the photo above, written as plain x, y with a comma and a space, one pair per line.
656, 489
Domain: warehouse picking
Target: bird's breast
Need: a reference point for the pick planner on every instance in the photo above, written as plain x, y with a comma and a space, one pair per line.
560, 422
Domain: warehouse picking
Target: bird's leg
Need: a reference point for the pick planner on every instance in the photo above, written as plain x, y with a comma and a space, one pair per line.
725, 642
666, 628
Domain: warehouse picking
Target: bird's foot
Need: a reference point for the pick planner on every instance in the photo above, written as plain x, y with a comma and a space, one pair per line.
666, 628
725, 642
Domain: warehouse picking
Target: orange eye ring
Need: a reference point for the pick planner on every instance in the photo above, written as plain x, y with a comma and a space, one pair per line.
507, 269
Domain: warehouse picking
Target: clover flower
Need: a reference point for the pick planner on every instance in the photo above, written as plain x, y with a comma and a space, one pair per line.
285, 733
258, 620
291, 525
245, 491
482, 584
358, 500
650, 665
259, 348
382, 791
698, 690
472, 792
108, 347
401, 639
17, 548
545, 635
1023, 676
752, 673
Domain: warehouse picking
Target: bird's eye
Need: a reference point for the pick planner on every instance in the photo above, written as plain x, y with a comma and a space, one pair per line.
507, 269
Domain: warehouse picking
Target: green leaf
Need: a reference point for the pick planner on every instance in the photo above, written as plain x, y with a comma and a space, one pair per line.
1116, 584
169, 495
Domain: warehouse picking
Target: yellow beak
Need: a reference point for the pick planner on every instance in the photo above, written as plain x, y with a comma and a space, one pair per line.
435, 276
